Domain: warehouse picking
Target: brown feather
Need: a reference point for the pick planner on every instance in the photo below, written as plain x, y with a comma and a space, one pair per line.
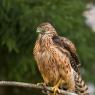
57, 60
69, 46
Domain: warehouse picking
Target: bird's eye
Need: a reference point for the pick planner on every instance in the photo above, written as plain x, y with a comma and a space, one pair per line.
43, 30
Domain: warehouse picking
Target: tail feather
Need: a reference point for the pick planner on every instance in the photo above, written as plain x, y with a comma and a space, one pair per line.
80, 86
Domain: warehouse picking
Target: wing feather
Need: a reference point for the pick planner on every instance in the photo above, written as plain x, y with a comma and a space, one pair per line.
70, 47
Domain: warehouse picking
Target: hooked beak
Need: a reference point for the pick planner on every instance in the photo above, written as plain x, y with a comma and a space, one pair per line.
38, 30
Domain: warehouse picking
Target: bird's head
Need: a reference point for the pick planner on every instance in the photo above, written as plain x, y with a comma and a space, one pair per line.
46, 28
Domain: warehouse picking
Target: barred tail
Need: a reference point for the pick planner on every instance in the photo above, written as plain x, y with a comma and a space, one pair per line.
80, 86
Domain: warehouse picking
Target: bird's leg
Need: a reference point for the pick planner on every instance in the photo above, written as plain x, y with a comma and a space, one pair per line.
56, 87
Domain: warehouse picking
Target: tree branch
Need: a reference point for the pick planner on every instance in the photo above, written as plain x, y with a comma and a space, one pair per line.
29, 85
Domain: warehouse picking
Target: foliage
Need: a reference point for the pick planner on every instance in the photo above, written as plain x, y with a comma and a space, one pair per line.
18, 22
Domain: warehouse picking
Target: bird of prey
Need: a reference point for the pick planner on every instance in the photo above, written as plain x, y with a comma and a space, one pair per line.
57, 61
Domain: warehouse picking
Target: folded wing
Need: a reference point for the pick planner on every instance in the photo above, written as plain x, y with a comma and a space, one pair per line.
70, 47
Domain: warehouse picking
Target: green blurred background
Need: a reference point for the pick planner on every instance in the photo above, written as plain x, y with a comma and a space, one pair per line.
18, 22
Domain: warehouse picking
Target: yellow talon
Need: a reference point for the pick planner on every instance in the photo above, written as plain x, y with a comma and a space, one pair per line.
55, 89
